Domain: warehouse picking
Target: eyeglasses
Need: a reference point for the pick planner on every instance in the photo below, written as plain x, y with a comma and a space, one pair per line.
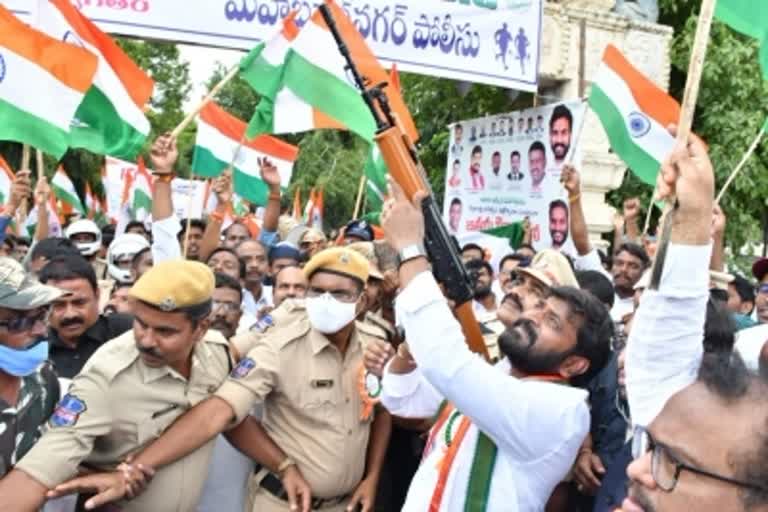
666, 468
763, 288
26, 322
228, 307
339, 295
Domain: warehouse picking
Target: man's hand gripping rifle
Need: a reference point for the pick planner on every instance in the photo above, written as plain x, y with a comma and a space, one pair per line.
406, 169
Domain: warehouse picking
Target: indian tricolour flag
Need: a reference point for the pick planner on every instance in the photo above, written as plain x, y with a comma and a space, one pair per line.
64, 190
111, 119
42, 83
6, 180
140, 198
221, 142
635, 114
304, 84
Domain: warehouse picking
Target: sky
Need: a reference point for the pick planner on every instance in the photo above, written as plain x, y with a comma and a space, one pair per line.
202, 62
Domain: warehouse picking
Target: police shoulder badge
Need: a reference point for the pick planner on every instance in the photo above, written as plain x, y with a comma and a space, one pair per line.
68, 411
243, 368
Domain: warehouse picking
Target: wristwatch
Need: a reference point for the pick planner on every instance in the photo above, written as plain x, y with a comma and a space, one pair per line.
287, 462
411, 252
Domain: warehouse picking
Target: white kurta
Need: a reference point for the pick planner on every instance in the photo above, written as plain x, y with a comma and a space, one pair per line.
665, 346
537, 426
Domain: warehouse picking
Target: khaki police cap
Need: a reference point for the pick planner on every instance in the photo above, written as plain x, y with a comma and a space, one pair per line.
551, 268
340, 260
174, 284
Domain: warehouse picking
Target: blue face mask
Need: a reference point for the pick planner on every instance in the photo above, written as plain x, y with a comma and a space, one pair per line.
23, 362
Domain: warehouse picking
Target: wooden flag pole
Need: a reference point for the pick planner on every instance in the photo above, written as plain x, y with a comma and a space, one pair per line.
189, 223
688, 109
26, 155
359, 201
40, 165
651, 204
739, 167
232, 73
577, 139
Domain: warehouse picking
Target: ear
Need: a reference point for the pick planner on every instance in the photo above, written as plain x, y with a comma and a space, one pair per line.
573, 366
201, 329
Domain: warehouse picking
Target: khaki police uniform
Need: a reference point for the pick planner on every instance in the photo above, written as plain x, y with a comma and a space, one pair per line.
313, 402
118, 404
289, 311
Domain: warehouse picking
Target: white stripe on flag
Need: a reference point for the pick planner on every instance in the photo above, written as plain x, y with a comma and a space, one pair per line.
317, 46
658, 143
25, 83
223, 148
53, 23
292, 114
275, 50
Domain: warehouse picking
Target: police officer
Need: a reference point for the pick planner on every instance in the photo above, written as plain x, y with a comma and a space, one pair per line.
324, 440
130, 391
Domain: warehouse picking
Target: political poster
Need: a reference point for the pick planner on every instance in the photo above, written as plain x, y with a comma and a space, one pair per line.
495, 42
505, 168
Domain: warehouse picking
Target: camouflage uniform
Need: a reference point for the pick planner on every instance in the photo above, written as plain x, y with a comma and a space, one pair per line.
21, 426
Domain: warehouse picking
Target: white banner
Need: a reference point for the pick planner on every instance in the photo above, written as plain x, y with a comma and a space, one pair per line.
188, 196
489, 41
504, 168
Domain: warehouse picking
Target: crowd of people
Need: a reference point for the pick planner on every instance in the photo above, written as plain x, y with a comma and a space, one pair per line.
188, 366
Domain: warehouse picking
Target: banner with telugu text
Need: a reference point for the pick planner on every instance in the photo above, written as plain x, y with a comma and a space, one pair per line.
504, 168
494, 42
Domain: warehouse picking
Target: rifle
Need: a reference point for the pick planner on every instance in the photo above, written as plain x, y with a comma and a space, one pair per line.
405, 168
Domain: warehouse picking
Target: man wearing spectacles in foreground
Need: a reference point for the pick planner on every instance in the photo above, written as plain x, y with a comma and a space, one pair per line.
700, 440
29, 389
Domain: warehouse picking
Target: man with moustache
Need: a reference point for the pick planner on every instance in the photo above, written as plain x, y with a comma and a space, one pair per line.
77, 329
131, 390
258, 295
481, 273
527, 416
699, 438
537, 165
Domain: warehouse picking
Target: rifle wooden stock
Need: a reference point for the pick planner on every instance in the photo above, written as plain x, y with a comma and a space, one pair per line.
443, 252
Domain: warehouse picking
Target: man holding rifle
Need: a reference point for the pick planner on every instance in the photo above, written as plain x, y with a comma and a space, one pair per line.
505, 436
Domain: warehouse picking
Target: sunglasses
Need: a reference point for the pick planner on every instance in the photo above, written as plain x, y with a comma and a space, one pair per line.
26, 322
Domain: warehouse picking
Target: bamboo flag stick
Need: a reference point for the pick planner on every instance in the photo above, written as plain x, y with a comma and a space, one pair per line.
743, 161
651, 204
688, 108
577, 139
359, 201
40, 164
26, 155
232, 73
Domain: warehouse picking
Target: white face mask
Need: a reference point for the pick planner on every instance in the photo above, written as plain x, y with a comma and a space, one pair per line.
329, 315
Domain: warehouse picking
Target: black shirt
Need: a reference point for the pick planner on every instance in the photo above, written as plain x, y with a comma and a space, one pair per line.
68, 361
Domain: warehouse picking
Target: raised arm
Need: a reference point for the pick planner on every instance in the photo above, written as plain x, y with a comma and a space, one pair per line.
665, 348
165, 225
222, 187
42, 193
579, 233
718, 239
271, 177
498, 403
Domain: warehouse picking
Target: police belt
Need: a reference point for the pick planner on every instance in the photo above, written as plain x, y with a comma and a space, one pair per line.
274, 486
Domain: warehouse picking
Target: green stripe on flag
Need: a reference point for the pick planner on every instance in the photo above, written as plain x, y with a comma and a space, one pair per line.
205, 164
643, 165
66, 196
105, 133
21, 126
141, 201
250, 188
313, 85
376, 179
750, 18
